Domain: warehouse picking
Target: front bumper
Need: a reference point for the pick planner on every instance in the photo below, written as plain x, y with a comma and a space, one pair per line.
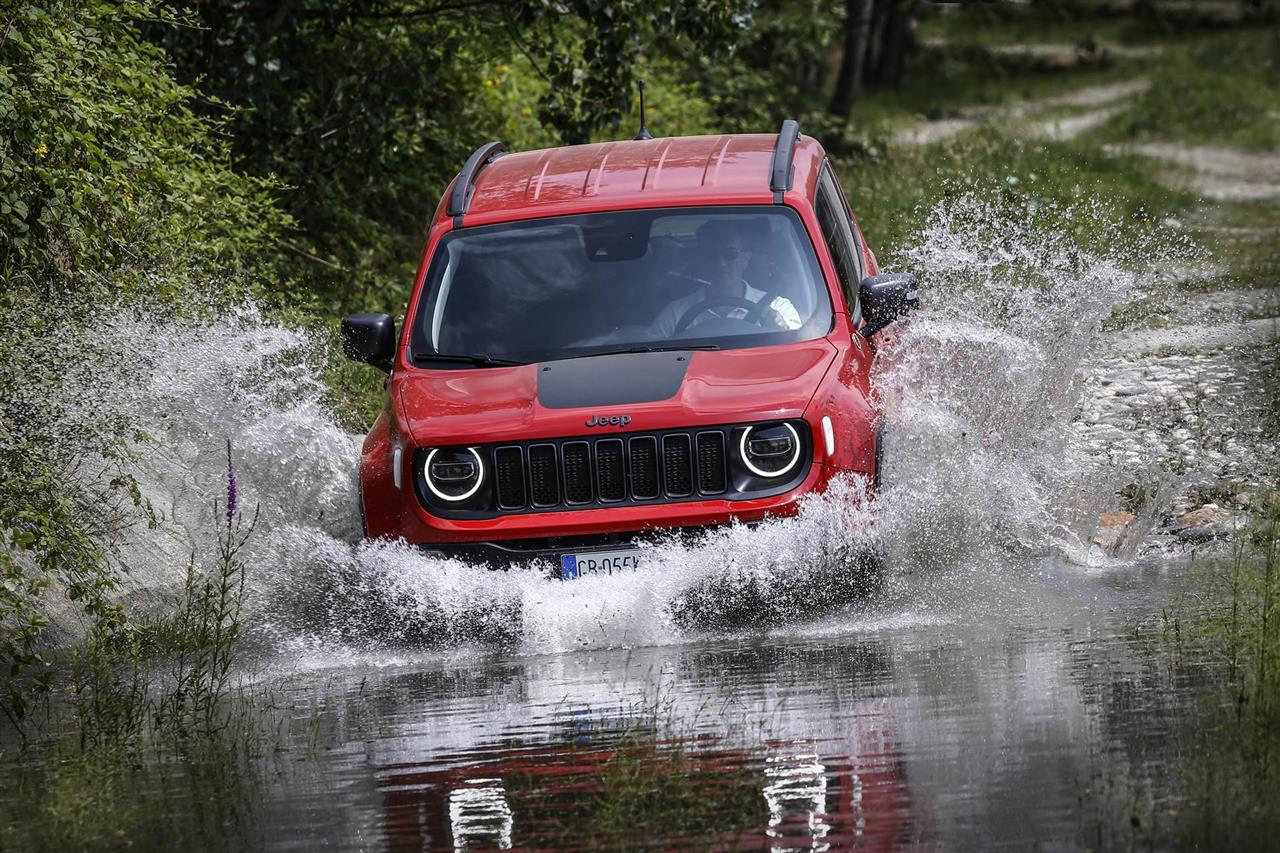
549, 549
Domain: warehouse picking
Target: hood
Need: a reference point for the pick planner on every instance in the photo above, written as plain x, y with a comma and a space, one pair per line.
632, 392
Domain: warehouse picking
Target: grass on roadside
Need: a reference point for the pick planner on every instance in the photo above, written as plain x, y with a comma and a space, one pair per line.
1232, 617
892, 188
1224, 89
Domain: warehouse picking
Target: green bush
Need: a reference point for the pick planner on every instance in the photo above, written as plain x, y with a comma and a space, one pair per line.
111, 188
107, 175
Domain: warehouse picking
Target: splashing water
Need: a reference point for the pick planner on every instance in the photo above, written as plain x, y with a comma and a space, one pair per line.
979, 391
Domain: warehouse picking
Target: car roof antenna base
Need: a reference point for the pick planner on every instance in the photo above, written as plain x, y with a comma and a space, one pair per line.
644, 128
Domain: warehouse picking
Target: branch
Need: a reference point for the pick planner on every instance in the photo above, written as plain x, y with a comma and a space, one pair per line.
408, 14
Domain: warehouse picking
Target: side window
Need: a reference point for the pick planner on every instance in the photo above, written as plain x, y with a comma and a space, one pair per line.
836, 231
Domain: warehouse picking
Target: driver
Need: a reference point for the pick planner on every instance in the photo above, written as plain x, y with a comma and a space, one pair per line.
723, 253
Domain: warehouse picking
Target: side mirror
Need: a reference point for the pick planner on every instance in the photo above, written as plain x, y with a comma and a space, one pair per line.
886, 298
370, 338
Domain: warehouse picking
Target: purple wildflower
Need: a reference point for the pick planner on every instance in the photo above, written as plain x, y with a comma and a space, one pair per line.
233, 494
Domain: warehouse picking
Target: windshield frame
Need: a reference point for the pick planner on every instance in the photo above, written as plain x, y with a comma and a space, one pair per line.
420, 348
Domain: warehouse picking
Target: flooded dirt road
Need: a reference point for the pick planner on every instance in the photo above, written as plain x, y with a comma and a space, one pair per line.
1013, 723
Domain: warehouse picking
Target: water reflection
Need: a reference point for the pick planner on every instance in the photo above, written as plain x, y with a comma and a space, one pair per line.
478, 813
797, 794
1014, 728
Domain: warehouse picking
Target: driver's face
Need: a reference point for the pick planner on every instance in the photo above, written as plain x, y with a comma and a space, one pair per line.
729, 259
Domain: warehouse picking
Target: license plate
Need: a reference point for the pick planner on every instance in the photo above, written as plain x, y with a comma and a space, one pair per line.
598, 563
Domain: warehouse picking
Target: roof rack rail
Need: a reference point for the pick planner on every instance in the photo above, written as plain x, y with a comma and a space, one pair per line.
782, 171
465, 186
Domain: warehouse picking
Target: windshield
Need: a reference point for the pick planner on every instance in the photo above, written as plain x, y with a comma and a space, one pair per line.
724, 277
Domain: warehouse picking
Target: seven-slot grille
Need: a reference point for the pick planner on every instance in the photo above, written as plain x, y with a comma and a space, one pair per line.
610, 470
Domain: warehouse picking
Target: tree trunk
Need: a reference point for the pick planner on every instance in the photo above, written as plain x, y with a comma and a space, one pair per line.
857, 27
875, 40
898, 39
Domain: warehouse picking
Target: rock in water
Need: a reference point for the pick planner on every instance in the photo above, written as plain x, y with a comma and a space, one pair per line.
1200, 525
1112, 527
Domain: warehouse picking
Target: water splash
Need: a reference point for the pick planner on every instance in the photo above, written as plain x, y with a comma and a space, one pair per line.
980, 389
981, 473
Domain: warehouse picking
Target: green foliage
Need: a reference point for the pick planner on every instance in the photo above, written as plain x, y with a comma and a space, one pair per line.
1232, 619
54, 517
1224, 90
106, 173
587, 51
776, 71
366, 110
111, 186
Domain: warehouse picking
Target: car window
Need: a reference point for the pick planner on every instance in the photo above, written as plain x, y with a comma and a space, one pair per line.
837, 231
562, 287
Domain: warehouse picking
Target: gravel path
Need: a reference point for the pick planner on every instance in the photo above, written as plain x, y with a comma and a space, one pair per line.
1216, 172
1100, 96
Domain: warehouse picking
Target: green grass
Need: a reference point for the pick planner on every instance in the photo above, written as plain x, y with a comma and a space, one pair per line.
1231, 619
647, 793
1224, 90
891, 189
643, 780
1062, 23
1246, 238
943, 84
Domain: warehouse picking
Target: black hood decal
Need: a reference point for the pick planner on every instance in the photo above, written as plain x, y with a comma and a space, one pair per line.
611, 380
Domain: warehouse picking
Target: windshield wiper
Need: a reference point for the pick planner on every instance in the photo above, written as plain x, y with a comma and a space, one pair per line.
644, 348
477, 360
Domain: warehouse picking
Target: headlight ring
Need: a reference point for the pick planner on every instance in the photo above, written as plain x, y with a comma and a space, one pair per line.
745, 455
458, 478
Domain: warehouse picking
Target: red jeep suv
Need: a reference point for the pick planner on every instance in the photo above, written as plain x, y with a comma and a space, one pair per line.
610, 339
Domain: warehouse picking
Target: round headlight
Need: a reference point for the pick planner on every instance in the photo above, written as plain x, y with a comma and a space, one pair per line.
453, 475
770, 451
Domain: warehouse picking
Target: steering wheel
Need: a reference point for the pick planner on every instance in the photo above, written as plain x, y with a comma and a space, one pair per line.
754, 309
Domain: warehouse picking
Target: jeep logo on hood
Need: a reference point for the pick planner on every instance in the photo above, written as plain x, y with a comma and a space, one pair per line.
608, 420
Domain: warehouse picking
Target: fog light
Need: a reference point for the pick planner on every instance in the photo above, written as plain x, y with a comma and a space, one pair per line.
770, 451
453, 475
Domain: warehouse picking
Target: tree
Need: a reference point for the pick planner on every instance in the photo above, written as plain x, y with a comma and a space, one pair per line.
366, 108
877, 36
856, 28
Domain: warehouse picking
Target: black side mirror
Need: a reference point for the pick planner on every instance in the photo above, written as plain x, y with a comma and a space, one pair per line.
886, 298
370, 338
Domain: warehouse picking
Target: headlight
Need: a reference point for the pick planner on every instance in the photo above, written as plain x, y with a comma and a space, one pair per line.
770, 451
453, 475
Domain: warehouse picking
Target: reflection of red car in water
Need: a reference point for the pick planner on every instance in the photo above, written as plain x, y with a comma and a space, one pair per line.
506, 797
605, 339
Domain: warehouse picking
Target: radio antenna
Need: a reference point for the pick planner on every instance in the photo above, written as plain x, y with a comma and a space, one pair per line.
644, 130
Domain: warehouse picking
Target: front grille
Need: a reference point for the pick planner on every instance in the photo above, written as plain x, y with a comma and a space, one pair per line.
677, 466
644, 468
544, 478
611, 470
578, 472
508, 463
711, 463
585, 472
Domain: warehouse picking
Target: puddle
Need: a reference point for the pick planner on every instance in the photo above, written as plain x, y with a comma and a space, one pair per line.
993, 727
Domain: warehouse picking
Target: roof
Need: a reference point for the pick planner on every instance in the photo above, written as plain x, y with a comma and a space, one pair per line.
727, 169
